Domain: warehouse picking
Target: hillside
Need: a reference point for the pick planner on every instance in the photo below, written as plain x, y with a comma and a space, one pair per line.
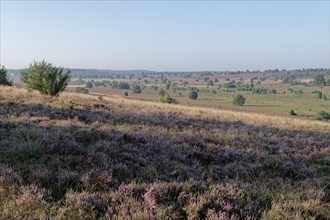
83, 156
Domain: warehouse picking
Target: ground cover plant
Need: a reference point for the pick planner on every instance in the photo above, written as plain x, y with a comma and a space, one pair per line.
107, 157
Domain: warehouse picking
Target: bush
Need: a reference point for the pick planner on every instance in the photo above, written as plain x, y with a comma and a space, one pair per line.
89, 85
123, 85
239, 100
322, 115
167, 99
291, 112
126, 93
161, 92
45, 78
136, 89
82, 90
3, 77
193, 95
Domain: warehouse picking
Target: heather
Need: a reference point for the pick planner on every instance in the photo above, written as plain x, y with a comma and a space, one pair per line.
88, 157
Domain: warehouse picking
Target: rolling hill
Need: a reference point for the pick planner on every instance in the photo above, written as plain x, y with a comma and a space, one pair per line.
108, 157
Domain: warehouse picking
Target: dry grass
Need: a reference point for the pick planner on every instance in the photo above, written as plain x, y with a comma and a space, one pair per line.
146, 107
107, 157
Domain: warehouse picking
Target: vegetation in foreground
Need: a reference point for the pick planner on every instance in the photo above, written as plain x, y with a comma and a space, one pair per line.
86, 157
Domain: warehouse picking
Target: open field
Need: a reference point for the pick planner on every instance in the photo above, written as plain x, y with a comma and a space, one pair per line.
109, 157
300, 98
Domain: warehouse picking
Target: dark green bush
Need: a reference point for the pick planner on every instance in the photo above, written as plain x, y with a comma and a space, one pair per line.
322, 115
291, 112
167, 99
45, 78
239, 100
3, 77
89, 85
193, 95
136, 89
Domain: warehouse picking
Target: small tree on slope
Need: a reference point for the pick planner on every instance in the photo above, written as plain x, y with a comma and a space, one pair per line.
46, 78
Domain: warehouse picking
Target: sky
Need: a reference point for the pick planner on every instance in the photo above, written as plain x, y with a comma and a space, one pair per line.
166, 35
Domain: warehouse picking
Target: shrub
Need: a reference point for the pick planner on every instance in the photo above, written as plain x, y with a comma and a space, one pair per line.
3, 77
89, 85
167, 99
193, 95
46, 78
136, 89
123, 85
239, 100
161, 92
82, 90
291, 112
126, 94
322, 115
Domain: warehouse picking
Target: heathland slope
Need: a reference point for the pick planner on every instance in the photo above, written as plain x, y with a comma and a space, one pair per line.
81, 156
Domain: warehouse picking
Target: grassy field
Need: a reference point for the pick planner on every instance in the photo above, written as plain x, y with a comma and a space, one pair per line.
112, 157
306, 105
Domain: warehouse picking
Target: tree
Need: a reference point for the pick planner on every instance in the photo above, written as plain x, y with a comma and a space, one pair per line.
123, 85
291, 112
193, 95
319, 80
136, 89
46, 78
3, 77
89, 85
167, 99
126, 93
239, 100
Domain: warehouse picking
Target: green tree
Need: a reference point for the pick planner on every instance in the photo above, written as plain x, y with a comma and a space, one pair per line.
46, 78
167, 99
239, 100
89, 85
193, 95
136, 89
291, 112
3, 77
319, 80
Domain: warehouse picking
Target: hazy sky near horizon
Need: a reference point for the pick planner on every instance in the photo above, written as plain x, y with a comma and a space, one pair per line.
166, 35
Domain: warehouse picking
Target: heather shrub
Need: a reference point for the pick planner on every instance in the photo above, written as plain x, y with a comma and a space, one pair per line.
99, 180
297, 209
29, 203
68, 180
162, 194
82, 206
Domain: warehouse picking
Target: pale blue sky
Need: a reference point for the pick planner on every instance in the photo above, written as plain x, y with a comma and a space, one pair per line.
166, 35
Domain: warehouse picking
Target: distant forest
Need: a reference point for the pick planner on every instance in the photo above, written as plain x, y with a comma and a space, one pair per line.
115, 74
